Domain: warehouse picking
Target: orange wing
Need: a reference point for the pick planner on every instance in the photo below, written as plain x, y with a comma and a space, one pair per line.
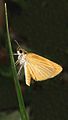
27, 74
40, 68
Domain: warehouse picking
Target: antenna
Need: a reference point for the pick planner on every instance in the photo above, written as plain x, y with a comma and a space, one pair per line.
17, 43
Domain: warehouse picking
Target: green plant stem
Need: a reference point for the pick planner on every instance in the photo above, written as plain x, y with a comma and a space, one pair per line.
23, 113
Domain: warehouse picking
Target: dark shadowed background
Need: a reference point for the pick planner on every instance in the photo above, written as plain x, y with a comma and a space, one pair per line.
40, 26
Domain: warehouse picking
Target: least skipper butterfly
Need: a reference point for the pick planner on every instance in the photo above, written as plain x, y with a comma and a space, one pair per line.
36, 66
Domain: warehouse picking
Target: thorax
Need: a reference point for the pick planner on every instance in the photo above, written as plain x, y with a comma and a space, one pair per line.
22, 59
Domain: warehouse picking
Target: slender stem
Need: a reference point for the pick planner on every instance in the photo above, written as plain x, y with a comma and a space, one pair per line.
23, 113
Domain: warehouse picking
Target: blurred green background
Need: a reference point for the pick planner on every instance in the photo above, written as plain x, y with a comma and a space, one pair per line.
40, 26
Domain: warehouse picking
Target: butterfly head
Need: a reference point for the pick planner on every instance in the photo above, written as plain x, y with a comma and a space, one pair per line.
21, 51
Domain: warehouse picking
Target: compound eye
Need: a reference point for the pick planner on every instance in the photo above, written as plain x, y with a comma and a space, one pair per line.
20, 51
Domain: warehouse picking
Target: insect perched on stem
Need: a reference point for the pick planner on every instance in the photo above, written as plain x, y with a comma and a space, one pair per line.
35, 66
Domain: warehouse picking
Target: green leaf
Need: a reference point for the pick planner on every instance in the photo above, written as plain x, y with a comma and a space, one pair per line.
23, 113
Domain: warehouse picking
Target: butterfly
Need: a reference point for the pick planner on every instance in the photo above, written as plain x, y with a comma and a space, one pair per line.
36, 66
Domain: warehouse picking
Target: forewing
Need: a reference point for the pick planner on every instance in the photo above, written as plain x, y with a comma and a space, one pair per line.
41, 68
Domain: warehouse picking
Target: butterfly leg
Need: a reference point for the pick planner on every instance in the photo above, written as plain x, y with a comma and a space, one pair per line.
17, 62
19, 70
